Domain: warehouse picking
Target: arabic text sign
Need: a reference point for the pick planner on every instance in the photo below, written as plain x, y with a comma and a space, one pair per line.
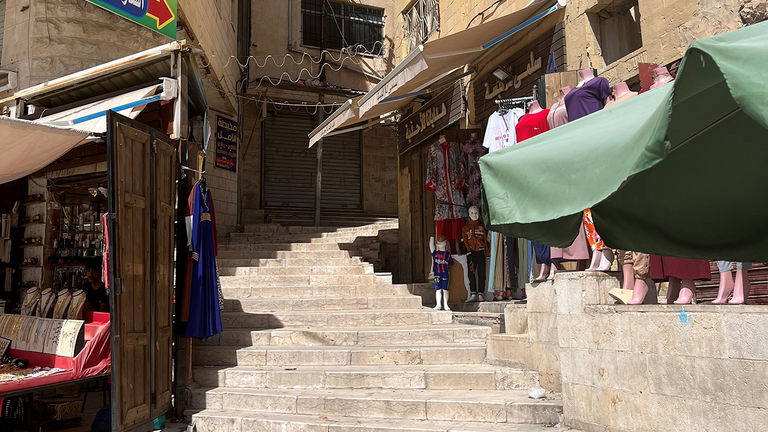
443, 110
226, 143
517, 80
157, 15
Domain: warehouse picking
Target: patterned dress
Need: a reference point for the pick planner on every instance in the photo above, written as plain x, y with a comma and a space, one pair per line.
473, 150
446, 177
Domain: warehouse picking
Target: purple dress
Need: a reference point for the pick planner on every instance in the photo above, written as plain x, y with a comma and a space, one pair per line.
585, 100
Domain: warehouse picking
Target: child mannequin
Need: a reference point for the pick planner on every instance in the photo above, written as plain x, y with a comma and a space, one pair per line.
475, 239
441, 261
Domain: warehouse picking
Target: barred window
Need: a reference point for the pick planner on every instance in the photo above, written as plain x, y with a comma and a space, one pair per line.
422, 20
359, 28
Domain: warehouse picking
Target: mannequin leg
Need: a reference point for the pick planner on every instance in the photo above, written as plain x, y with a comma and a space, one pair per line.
687, 288
726, 282
445, 300
627, 269
438, 299
472, 266
606, 260
595, 263
639, 291
741, 287
554, 269
480, 270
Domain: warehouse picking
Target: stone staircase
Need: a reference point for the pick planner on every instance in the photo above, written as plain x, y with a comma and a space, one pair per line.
314, 340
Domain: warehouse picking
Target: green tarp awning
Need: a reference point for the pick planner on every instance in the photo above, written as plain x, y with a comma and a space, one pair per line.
681, 170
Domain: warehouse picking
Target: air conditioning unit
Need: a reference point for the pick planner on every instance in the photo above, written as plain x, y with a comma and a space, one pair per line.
8, 80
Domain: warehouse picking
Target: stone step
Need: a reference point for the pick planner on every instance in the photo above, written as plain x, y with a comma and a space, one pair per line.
315, 291
492, 320
288, 262
303, 280
212, 420
340, 318
513, 350
287, 246
281, 254
338, 355
355, 269
322, 303
489, 406
406, 377
370, 336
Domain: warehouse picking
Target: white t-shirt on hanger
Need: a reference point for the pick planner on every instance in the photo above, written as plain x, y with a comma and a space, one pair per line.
500, 132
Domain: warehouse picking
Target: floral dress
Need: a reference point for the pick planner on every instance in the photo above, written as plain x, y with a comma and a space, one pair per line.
473, 150
447, 179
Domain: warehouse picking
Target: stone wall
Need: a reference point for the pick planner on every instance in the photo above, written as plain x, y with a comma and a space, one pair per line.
50, 39
649, 367
380, 171
667, 28
222, 182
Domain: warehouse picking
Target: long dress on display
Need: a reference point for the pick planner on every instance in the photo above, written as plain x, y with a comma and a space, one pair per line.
446, 178
530, 126
580, 102
662, 268
579, 249
473, 150
204, 309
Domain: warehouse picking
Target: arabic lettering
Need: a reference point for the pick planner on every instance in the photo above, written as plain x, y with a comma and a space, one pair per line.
516, 81
426, 119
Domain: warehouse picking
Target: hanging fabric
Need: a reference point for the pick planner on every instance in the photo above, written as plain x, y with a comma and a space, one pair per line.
204, 299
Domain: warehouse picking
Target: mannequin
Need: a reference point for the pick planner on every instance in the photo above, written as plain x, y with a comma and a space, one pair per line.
446, 178
579, 249
532, 124
661, 76
475, 239
441, 260
47, 299
31, 299
591, 95
63, 298
740, 287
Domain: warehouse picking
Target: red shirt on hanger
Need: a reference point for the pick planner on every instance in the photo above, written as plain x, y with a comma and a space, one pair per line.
531, 125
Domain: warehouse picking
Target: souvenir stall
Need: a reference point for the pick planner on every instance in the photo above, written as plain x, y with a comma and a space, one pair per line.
87, 281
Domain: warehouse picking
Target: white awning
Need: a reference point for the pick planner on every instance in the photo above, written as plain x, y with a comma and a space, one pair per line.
92, 116
28, 147
432, 62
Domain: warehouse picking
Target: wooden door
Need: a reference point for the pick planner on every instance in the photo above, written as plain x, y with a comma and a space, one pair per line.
141, 173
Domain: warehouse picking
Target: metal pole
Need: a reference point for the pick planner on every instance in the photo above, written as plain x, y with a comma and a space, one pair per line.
321, 117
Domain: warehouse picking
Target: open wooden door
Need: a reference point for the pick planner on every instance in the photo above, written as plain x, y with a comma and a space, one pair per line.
141, 175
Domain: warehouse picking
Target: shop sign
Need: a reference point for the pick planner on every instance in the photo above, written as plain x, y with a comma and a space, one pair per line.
525, 67
156, 15
443, 110
226, 143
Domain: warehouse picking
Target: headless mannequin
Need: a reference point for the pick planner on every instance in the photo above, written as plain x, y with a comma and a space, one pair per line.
442, 139
661, 76
678, 291
621, 90
534, 107
602, 258
441, 295
740, 287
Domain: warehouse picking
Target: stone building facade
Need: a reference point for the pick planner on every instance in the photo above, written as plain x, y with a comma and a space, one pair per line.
285, 69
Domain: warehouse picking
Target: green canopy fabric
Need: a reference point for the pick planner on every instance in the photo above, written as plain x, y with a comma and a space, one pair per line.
681, 170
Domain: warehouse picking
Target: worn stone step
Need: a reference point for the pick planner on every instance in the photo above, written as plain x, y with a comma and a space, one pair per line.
340, 318
289, 262
489, 406
407, 377
297, 247
349, 269
337, 355
358, 336
266, 254
212, 420
322, 303
302, 280
315, 291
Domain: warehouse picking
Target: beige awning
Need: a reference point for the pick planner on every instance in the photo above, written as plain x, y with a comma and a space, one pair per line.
92, 116
432, 62
28, 147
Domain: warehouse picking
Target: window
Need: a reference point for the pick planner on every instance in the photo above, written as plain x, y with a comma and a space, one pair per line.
422, 20
616, 26
359, 28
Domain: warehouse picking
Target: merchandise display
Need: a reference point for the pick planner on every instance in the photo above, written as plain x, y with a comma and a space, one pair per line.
441, 261
446, 178
475, 239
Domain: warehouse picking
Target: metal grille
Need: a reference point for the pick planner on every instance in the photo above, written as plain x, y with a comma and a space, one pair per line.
422, 20
348, 26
